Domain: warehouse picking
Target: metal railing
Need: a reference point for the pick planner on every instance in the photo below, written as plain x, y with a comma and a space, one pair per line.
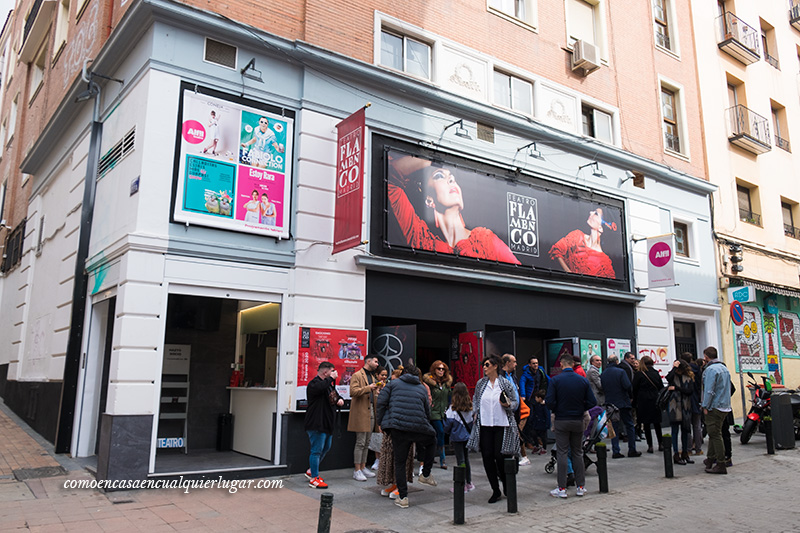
782, 144
772, 61
791, 231
744, 121
731, 27
672, 142
663, 41
750, 217
37, 5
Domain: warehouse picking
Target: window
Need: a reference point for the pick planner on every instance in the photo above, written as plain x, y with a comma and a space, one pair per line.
597, 124
661, 21
669, 114
12, 118
779, 127
62, 25
519, 9
681, 231
582, 21
406, 54
2, 202
746, 213
2, 138
788, 221
513, 93
37, 72
768, 44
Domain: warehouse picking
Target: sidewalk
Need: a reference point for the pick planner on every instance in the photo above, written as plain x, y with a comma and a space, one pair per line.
757, 493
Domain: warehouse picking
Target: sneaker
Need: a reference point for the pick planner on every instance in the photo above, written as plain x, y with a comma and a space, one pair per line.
387, 491
420, 470
358, 475
428, 480
524, 461
469, 487
317, 483
698, 452
375, 465
394, 495
728, 462
558, 493
580, 491
542, 451
367, 472
308, 475
402, 502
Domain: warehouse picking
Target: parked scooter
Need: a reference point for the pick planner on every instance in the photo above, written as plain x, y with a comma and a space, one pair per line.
759, 409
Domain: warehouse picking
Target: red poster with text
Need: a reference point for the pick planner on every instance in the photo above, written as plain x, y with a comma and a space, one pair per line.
343, 347
349, 180
467, 368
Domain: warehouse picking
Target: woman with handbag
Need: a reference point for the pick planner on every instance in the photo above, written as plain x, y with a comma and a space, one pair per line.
646, 386
679, 409
458, 424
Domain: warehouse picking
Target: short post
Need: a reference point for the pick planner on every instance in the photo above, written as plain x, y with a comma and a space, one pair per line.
770, 439
510, 464
459, 476
325, 510
602, 466
666, 444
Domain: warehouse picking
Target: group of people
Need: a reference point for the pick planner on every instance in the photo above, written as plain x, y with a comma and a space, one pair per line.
506, 415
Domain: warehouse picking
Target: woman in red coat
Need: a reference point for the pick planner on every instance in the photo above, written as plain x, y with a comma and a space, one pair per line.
582, 253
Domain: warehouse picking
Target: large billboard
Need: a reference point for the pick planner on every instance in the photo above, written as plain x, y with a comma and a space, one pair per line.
455, 207
234, 166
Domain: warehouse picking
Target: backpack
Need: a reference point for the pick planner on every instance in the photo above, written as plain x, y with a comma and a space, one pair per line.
662, 400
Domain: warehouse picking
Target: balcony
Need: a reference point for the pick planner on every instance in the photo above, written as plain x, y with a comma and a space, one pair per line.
748, 130
738, 39
794, 15
772, 61
750, 217
37, 24
783, 144
791, 231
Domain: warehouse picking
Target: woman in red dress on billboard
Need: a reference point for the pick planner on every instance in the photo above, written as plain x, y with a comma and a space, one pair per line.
443, 203
581, 253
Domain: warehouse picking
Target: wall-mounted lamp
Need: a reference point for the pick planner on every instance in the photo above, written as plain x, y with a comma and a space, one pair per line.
461, 131
637, 177
249, 71
532, 151
597, 173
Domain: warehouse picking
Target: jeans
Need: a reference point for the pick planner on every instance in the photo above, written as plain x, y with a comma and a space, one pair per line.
569, 434
320, 445
626, 420
716, 448
491, 444
402, 442
438, 425
462, 457
685, 428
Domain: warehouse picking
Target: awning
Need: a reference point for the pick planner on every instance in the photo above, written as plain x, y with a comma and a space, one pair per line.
768, 287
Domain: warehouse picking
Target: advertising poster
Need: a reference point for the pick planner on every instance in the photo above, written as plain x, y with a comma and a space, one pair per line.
342, 347
234, 169
660, 267
349, 180
589, 348
659, 355
395, 346
555, 348
467, 368
790, 333
618, 347
749, 342
461, 211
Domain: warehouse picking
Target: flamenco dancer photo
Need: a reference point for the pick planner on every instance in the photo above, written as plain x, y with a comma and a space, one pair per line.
582, 253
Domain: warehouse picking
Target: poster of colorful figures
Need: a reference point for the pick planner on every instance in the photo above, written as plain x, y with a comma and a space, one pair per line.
234, 166
749, 341
789, 325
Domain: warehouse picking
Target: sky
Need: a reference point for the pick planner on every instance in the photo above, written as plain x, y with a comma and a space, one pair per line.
5, 7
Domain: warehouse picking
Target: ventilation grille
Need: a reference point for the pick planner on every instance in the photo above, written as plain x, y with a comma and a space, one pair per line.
485, 132
220, 53
116, 153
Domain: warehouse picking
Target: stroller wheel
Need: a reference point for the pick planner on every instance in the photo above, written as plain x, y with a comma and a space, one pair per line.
550, 467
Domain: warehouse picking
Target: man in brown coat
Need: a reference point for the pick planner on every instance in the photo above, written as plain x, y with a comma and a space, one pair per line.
363, 394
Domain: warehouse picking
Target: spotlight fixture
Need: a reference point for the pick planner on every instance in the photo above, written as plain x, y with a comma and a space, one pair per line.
637, 177
249, 71
532, 151
461, 131
87, 94
597, 173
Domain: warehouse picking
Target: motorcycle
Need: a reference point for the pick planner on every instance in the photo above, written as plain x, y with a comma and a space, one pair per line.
759, 409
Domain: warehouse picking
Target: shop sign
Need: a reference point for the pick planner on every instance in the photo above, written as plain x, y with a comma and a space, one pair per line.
234, 165
348, 217
454, 207
170, 442
742, 294
660, 266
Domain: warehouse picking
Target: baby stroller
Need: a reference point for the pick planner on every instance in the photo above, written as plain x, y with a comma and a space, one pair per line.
597, 431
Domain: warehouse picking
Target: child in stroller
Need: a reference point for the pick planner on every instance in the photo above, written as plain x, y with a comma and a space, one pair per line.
594, 433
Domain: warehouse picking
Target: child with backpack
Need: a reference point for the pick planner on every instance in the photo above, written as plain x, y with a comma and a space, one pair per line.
458, 424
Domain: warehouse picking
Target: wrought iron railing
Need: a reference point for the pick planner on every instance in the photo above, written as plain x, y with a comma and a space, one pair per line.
663, 40
31, 19
772, 61
731, 27
750, 217
744, 121
783, 144
791, 231
673, 142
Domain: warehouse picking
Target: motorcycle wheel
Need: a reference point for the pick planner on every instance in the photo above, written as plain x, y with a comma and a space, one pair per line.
747, 431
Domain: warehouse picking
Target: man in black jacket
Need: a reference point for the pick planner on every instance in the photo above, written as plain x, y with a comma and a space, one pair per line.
404, 412
321, 394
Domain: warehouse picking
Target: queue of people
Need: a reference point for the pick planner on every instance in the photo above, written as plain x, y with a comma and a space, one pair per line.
411, 411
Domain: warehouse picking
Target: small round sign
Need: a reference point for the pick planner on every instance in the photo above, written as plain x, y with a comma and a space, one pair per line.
737, 313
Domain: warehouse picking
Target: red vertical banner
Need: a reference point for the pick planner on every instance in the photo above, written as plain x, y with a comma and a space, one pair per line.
349, 182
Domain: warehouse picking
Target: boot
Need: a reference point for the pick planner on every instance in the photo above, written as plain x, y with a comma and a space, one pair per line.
650, 449
718, 468
687, 458
709, 462
678, 459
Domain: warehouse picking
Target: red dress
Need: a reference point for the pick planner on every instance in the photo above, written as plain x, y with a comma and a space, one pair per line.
580, 258
482, 242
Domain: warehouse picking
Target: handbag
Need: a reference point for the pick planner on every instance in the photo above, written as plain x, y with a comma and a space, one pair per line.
662, 400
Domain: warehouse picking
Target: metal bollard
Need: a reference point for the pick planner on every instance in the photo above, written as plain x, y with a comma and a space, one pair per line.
459, 476
325, 510
602, 466
510, 465
666, 444
770, 438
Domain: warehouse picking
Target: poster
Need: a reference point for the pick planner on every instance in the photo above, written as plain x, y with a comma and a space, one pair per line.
660, 266
772, 343
467, 368
555, 348
395, 346
589, 348
343, 347
506, 221
618, 347
789, 324
749, 342
660, 356
349, 180
234, 168
176, 358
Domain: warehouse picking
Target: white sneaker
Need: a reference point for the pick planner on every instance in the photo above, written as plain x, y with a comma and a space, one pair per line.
558, 493
524, 461
580, 491
394, 494
428, 480
358, 475
402, 502
420, 471
375, 465
469, 487
367, 472
308, 475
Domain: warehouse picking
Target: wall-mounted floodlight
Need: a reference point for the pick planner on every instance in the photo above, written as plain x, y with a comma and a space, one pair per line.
597, 173
461, 131
532, 151
249, 71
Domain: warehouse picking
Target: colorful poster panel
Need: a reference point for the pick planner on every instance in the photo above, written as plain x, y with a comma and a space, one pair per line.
467, 368
209, 187
555, 348
749, 342
395, 346
789, 325
589, 348
618, 347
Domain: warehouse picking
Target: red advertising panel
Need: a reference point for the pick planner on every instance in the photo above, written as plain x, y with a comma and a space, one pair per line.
467, 368
345, 348
349, 180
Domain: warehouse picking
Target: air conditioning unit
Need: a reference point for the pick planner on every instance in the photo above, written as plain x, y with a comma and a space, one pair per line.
585, 56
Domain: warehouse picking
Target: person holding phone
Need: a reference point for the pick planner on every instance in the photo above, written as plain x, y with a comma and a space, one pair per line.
494, 432
319, 420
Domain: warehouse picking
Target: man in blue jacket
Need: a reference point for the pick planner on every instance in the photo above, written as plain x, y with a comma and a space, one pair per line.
533, 379
716, 405
617, 388
569, 396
